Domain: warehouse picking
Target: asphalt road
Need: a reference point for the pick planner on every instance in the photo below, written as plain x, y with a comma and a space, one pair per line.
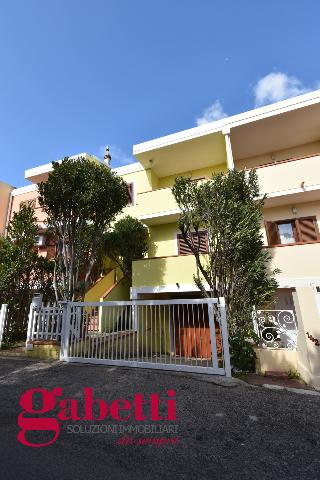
224, 432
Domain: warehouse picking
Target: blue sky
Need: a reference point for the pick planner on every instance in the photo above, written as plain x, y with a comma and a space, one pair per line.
77, 75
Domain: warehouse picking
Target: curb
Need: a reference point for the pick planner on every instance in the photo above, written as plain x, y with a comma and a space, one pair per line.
301, 391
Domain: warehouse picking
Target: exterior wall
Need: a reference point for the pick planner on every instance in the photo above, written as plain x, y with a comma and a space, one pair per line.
120, 292
198, 173
275, 360
164, 271
285, 212
5, 191
44, 351
163, 240
295, 261
153, 195
308, 353
100, 287
27, 196
289, 175
280, 155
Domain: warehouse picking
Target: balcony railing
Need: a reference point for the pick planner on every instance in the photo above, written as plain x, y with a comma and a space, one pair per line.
289, 174
155, 202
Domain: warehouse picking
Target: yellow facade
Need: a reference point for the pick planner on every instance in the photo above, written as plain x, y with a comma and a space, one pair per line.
5, 191
282, 142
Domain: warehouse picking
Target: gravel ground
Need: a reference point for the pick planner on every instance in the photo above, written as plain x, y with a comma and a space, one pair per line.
227, 431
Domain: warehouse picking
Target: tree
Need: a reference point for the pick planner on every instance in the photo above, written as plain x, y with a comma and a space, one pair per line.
128, 241
81, 199
22, 271
229, 208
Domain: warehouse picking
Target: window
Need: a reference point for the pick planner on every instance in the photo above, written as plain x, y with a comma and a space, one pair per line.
296, 230
200, 241
31, 203
40, 240
130, 193
286, 232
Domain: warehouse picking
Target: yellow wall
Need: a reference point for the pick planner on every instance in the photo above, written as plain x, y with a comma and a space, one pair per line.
163, 240
308, 321
272, 156
144, 181
100, 287
120, 292
201, 172
5, 191
289, 175
164, 271
275, 360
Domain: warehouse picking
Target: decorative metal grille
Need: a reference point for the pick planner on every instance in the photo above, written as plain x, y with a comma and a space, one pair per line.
276, 328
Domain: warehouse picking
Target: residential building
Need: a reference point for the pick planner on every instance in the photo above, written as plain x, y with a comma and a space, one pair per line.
5, 193
282, 142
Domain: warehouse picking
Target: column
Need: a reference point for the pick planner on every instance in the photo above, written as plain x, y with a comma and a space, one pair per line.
226, 133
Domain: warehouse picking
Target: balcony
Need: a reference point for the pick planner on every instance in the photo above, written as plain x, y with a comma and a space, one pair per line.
296, 261
162, 271
295, 179
157, 206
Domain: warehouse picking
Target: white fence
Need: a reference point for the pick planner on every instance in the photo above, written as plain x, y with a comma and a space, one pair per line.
276, 328
45, 323
3, 319
186, 335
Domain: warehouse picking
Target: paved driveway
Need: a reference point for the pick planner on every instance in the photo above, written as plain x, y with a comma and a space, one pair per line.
225, 432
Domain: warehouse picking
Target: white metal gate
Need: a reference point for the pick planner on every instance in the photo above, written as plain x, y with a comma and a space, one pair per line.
186, 335
3, 319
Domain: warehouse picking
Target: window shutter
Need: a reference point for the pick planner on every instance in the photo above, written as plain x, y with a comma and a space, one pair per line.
272, 233
130, 193
183, 248
307, 229
203, 240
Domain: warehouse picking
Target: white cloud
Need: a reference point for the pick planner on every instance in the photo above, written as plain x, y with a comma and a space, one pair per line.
277, 86
118, 156
212, 113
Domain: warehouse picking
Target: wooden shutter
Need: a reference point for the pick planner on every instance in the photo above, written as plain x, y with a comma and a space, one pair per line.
183, 248
307, 229
201, 238
130, 193
272, 233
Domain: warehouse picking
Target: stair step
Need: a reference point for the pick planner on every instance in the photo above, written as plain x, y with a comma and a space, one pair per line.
276, 374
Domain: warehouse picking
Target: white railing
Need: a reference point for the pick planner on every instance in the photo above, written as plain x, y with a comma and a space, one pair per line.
188, 335
3, 319
276, 328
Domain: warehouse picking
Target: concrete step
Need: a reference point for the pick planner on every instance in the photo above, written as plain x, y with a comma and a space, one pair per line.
276, 374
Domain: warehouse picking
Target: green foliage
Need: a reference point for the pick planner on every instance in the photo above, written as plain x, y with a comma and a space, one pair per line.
243, 356
229, 207
128, 241
293, 374
22, 271
81, 199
